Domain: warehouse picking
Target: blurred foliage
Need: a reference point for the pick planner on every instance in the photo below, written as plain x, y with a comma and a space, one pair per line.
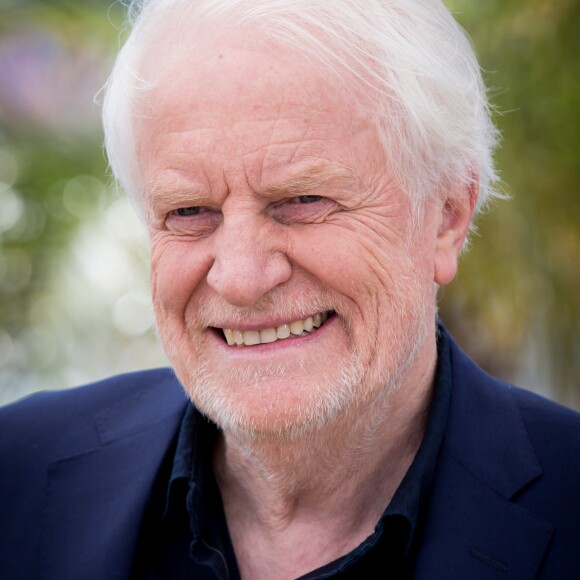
64, 299
73, 290
516, 303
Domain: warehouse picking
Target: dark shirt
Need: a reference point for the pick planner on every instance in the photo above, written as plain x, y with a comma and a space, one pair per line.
186, 534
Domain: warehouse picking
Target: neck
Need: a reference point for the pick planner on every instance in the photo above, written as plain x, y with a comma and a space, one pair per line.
340, 478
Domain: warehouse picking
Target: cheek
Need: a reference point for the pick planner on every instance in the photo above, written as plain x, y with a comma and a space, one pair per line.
358, 266
343, 266
177, 269
383, 284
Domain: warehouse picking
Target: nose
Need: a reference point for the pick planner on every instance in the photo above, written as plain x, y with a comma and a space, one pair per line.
248, 261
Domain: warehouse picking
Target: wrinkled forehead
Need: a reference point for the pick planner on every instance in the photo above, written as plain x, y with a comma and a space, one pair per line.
224, 58
226, 79
224, 70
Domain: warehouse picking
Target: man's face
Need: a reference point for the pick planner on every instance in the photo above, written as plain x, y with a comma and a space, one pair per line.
272, 210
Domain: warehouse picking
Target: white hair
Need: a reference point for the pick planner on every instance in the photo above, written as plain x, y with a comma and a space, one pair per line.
412, 61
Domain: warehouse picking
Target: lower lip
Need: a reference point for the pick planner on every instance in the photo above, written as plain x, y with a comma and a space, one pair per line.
271, 347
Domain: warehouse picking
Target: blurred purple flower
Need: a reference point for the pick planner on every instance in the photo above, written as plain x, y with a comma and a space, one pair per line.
49, 83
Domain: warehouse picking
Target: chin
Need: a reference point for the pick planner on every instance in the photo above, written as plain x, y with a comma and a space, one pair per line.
274, 402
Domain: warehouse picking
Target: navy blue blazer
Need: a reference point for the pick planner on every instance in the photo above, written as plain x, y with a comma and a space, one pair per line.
78, 466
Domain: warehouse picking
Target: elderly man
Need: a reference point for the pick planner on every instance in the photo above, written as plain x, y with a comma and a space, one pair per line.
308, 172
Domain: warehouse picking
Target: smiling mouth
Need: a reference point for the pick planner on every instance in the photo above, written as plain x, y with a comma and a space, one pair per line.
295, 329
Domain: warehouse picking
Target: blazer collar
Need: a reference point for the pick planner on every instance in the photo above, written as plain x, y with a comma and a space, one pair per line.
486, 432
474, 527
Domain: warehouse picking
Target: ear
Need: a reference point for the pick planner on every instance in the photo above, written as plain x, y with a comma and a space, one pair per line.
455, 213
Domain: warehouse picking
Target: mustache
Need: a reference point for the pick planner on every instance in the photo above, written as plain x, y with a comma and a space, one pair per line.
207, 311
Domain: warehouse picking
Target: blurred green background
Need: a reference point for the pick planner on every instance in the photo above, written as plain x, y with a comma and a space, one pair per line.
74, 296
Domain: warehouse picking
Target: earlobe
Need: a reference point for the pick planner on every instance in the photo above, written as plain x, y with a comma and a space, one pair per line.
454, 221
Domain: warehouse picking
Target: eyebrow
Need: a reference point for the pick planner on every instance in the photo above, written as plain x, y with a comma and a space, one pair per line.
153, 196
302, 180
311, 178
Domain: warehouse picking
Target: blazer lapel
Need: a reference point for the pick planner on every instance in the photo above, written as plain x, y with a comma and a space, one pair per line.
96, 499
472, 532
473, 528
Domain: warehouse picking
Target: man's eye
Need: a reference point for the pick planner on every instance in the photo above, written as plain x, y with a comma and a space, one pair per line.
188, 211
194, 221
306, 199
303, 209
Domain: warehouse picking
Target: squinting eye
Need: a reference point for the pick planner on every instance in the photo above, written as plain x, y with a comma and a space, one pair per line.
195, 221
303, 209
306, 199
188, 211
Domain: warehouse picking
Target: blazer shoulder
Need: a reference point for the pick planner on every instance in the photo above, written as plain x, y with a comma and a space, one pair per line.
488, 393
554, 431
544, 412
509, 462
47, 422
509, 436
92, 395
73, 459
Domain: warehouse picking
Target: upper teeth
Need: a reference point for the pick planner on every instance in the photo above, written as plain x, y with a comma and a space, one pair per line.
266, 335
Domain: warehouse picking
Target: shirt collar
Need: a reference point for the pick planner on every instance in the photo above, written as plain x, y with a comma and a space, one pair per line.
192, 458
